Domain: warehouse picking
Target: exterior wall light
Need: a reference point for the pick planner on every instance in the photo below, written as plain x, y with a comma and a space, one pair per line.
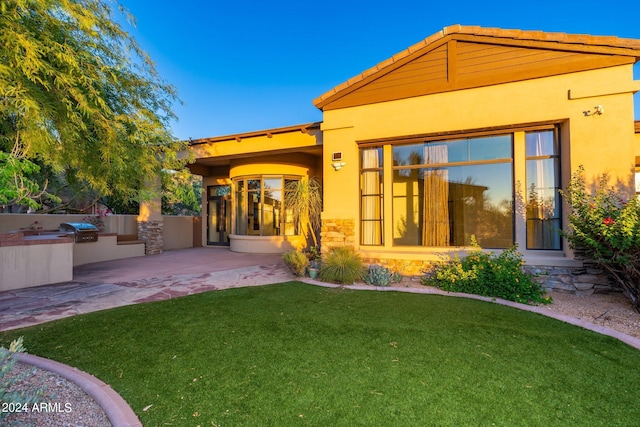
597, 110
338, 165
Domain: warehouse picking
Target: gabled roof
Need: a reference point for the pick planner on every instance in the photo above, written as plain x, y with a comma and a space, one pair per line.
461, 57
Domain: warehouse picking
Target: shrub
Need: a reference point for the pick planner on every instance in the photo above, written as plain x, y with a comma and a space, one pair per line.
487, 274
296, 261
342, 265
606, 226
381, 276
17, 399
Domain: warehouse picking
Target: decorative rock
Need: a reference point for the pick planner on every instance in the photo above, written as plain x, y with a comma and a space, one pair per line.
585, 278
583, 286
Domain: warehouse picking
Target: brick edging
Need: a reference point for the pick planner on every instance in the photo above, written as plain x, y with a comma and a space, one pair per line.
115, 407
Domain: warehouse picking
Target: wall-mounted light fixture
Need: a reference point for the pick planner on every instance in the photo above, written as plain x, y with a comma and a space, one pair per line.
336, 160
598, 110
338, 165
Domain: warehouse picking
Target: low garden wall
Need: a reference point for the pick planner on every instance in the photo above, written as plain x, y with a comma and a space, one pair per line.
177, 233
34, 260
34, 253
578, 277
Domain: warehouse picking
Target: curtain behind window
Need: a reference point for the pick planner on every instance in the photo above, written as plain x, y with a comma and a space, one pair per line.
543, 217
435, 225
371, 209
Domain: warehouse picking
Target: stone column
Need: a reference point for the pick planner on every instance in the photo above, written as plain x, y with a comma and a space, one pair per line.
150, 222
337, 232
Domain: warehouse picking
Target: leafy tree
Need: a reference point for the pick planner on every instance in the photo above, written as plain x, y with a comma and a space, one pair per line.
181, 193
79, 96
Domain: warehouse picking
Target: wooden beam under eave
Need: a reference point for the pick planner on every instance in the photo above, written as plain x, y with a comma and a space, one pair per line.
452, 61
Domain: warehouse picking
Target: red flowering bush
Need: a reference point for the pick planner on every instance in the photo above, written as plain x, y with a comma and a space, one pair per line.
606, 226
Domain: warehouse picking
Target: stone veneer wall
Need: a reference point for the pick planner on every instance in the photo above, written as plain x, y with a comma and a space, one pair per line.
151, 233
584, 280
337, 232
406, 267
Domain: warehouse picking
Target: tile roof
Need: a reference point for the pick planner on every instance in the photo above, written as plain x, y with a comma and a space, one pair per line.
577, 42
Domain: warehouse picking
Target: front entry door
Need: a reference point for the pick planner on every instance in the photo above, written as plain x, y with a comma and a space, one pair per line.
218, 215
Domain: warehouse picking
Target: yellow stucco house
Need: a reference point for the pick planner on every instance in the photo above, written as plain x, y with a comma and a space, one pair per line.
468, 134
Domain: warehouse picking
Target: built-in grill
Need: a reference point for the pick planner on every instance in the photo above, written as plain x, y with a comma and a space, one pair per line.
82, 231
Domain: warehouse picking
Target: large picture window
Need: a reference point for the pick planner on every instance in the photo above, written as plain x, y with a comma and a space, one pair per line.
261, 208
447, 192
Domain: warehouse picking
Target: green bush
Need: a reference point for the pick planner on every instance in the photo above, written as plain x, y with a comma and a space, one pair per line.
381, 276
296, 261
342, 265
17, 399
606, 227
487, 274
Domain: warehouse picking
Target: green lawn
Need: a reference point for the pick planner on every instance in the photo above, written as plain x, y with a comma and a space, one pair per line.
295, 354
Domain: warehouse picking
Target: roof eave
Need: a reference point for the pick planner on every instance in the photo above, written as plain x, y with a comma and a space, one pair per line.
304, 128
577, 42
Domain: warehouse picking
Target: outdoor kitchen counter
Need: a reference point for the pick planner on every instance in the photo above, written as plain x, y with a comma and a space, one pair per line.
28, 259
20, 238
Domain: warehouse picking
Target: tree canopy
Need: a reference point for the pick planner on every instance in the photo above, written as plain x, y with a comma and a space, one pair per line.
80, 97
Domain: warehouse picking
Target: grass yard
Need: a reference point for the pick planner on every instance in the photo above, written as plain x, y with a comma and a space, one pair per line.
295, 354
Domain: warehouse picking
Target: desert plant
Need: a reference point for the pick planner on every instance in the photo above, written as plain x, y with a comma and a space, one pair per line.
14, 401
381, 276
488, 274
342, 264
605, 225
314, 253
304, 198
296, 261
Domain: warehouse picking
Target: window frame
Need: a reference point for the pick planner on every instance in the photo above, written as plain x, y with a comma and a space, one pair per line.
241, 211
518, 165
379, 195
424, 166
557, 157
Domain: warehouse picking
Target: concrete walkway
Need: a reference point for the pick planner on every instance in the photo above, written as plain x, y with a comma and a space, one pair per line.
110, 284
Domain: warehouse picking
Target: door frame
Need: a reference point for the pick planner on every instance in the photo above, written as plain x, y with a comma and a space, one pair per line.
223, 212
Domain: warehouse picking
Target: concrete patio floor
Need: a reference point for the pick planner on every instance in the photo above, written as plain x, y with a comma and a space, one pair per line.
116, 283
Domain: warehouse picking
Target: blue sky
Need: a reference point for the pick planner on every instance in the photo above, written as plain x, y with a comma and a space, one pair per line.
241, 66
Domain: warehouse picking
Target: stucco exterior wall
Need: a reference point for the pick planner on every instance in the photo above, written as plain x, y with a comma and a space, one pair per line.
299, 164
259, 144
27, 265
105, 248
601, 143
177, 232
